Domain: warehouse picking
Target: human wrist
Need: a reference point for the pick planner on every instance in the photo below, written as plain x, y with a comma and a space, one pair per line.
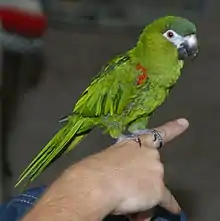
94, 184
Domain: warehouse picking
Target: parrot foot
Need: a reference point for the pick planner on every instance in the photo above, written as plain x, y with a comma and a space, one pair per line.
129, 137
135, 136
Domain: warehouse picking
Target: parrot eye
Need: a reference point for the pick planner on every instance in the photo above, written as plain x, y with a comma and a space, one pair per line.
170, 34
173, 37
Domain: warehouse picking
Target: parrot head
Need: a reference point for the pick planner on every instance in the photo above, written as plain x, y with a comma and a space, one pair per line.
178, 32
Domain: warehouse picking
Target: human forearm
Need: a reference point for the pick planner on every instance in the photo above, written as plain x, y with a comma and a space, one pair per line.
80, 194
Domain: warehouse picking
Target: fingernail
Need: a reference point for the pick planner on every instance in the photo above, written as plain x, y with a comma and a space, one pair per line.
177, 208
183, 122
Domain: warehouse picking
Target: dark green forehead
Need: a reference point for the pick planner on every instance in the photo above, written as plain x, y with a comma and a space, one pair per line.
180, 25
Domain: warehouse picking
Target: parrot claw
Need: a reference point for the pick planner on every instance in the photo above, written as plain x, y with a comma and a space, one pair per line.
135, 136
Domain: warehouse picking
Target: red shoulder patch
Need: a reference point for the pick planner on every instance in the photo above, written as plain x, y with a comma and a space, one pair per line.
143, 76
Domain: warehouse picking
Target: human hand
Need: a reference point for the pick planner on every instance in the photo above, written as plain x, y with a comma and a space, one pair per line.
137, 174
123, 179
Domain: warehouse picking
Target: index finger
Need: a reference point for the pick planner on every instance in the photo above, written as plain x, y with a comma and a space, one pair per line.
169, 202
168, 131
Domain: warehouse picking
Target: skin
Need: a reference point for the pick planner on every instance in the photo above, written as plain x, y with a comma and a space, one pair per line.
103, 177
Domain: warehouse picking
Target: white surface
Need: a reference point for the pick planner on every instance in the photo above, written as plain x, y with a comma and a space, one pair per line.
30, 5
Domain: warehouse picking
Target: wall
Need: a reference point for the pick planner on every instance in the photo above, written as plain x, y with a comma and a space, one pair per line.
191, 161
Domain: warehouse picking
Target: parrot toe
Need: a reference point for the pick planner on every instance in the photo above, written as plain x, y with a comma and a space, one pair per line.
135, 136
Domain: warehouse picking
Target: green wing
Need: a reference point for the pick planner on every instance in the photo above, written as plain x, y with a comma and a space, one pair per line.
110, 91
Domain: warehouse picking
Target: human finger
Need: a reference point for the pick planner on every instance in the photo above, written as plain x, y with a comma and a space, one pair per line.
165, 133
169, 202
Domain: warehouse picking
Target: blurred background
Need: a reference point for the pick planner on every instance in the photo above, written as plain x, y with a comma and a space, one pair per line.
46, 66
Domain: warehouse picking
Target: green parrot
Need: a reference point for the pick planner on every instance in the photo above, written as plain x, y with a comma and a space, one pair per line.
126, 92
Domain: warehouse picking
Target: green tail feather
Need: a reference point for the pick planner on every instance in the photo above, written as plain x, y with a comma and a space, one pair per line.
64, 141
75, 142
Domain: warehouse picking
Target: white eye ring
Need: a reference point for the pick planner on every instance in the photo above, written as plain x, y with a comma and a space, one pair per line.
173, 37
170, 34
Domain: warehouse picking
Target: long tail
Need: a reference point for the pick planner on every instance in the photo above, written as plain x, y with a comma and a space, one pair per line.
64, 141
